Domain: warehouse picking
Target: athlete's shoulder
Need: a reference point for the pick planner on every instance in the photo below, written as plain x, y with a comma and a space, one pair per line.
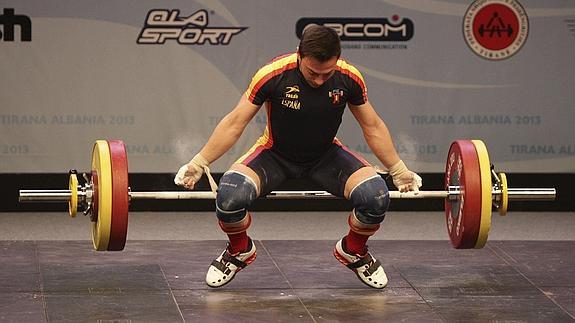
353, 75
277, 66
346, 68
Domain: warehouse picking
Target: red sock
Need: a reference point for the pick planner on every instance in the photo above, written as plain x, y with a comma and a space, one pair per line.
238, 242
355, 243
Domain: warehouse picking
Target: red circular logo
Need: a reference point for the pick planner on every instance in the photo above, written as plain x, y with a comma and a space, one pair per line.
495, 29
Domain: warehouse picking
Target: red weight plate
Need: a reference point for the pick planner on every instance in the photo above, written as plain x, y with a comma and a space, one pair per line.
95, 196
463, 215
120, 199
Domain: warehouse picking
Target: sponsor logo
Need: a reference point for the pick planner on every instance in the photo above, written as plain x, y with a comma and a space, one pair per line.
335, 95
291, 98
9, 20
163, 24
363, 29
495, 29
571, 25
292, 91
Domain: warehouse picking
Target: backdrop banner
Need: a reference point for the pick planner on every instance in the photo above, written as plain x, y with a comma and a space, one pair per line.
161, 74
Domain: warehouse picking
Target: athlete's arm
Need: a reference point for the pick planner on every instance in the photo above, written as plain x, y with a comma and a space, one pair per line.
379, 140
224, 136
376, 133
229, 130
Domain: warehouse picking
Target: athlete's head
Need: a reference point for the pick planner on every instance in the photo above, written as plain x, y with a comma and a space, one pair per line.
318, 51
319, 42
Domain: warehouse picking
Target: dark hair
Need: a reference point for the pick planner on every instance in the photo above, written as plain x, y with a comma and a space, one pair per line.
319, 42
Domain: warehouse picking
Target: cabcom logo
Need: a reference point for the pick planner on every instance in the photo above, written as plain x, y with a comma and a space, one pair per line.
363, 29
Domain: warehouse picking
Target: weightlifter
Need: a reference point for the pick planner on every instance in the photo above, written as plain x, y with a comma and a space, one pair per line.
306, 94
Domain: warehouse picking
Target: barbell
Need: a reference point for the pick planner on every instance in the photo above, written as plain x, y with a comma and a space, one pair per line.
472, 190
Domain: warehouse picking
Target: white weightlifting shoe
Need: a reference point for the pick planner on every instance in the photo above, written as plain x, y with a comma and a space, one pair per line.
367, 268
225, 267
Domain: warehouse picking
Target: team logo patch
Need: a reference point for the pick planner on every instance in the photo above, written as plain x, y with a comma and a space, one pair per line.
495, 29
336, 95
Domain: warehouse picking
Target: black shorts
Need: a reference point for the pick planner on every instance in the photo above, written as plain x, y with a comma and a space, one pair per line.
330, 171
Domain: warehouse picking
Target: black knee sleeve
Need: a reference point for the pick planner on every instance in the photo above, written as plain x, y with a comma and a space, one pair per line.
370, 199
235, 194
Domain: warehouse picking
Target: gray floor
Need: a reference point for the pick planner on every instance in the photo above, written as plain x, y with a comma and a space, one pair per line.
290, 281
49, 272
283, 226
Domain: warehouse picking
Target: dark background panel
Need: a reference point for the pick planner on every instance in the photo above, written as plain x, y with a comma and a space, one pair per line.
12, 183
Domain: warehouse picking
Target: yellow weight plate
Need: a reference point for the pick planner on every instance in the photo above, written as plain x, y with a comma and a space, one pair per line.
73, 202
504, 195
486, 198
102, 166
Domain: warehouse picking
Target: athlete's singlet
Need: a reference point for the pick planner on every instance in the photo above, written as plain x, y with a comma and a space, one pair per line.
302, 120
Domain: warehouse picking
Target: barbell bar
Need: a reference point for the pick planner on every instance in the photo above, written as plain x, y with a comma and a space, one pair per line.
472, 189
515, 194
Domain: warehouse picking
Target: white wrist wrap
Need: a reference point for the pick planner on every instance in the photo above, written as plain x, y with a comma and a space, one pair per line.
200, 160
398, 168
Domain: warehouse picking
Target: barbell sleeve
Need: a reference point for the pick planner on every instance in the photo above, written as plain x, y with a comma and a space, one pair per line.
530, 194
46, 195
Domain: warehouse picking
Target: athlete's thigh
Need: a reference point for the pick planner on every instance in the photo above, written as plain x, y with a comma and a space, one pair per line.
262, 167
335, 169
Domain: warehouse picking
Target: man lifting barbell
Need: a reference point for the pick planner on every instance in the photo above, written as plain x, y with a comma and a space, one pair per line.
306, 94
471, 186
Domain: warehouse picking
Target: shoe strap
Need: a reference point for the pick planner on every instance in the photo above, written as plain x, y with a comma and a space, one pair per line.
221, 267
362, 261
229, 258
371, 269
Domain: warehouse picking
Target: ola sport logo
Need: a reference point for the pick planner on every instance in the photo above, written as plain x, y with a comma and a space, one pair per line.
495, 29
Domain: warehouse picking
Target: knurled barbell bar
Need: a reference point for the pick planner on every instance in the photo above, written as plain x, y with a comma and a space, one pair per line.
472, 189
